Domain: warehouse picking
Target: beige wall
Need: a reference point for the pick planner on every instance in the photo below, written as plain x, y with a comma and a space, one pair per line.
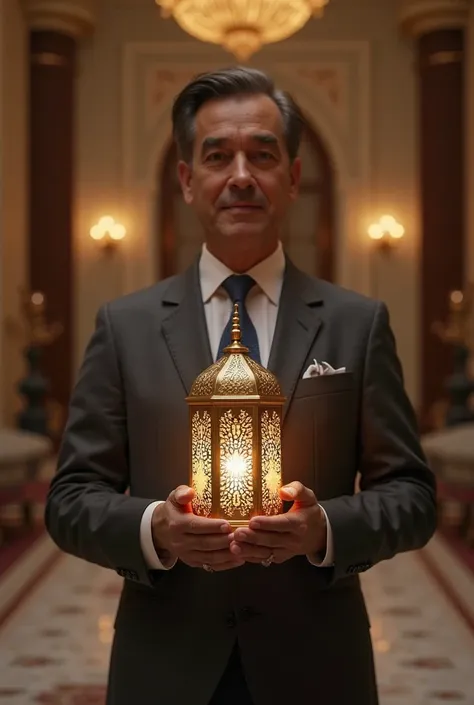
120, 138
13, 207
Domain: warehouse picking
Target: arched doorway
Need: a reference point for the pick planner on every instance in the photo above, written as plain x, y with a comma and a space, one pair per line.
309, 235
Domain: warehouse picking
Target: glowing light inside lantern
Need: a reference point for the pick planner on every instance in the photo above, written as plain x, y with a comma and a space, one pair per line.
236, 466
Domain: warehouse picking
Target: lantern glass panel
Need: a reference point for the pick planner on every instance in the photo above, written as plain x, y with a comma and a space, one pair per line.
236, 439
201, 462
270, 429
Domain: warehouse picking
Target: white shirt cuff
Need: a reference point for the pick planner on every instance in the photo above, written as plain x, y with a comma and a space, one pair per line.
146, 541
328, 560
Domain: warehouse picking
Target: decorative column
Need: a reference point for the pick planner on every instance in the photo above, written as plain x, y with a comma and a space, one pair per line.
55, 28
438, 28
469, 267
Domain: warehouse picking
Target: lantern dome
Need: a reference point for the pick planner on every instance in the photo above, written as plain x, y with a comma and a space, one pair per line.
236, 374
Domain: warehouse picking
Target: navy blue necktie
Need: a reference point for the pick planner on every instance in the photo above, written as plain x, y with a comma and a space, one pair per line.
238, 286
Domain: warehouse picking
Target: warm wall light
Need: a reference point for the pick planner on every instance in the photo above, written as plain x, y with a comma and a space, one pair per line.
386, 233
235, 437
108, 233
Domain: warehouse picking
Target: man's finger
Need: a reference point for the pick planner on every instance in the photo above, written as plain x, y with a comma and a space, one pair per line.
202, 525
270, 539
299, 494
258, 554
209, 542
181, 497
251, 553
282, 523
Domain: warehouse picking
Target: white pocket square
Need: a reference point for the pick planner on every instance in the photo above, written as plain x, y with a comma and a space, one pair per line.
322, 368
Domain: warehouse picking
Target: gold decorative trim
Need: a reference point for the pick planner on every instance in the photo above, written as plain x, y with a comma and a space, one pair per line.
440, 58
419, 17
71, 17
48, 58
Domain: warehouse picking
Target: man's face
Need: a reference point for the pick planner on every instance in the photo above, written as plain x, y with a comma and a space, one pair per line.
240, 182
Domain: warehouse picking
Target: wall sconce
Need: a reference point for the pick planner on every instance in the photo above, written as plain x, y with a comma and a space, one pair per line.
386, 233
235, 413
108, 233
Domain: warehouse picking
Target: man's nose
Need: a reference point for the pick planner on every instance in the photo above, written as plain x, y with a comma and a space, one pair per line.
241, 176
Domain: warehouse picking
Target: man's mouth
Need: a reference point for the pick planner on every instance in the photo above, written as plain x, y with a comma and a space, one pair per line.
243, 206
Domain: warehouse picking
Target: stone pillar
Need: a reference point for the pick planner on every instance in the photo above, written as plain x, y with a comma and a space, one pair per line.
469, 131
13, 200
2, 176
438, 27
55, 28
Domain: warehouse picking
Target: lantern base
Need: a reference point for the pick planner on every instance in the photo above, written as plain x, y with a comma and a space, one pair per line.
236, 523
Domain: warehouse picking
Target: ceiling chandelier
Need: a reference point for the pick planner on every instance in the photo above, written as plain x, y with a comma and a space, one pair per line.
242, 26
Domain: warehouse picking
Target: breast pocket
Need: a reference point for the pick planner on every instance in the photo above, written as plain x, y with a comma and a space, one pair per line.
322, 433
324, 384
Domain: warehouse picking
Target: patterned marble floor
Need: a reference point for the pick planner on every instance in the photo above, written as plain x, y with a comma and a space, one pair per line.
54, 649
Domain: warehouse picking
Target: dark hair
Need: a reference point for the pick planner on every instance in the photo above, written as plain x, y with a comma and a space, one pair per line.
225, 83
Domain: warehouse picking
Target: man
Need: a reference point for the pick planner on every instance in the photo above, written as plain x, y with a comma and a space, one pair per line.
271, 614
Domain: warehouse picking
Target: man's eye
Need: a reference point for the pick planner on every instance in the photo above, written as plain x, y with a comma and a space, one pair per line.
215, 157
264, 156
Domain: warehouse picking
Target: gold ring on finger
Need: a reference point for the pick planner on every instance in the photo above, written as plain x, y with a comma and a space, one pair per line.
268, 561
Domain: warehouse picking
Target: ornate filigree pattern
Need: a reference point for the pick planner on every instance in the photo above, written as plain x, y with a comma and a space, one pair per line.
328, 81
202, 463
161, 83
271, 462
236, 378
203, 385
236, 491
267, 383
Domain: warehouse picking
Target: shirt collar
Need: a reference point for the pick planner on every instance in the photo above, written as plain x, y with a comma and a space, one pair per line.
268, 274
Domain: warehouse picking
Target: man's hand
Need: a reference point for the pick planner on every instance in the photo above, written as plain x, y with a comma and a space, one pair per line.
196, 541
301, 531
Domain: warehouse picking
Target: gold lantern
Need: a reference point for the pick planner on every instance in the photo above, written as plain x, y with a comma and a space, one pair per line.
235, 408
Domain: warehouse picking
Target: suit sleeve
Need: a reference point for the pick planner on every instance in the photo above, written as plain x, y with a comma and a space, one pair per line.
395, 510
88, 511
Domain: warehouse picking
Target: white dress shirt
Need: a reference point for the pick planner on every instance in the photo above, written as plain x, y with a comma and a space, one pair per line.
262, 306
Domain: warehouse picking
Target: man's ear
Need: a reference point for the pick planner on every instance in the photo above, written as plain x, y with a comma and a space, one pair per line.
295, 177
185, 174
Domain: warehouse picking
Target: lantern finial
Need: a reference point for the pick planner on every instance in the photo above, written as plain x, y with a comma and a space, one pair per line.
236, 334
236, 345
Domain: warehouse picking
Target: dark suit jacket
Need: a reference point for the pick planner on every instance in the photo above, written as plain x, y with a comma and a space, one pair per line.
303, 631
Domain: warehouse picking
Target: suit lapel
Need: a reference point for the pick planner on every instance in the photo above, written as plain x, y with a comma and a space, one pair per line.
185, 328
298, 324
